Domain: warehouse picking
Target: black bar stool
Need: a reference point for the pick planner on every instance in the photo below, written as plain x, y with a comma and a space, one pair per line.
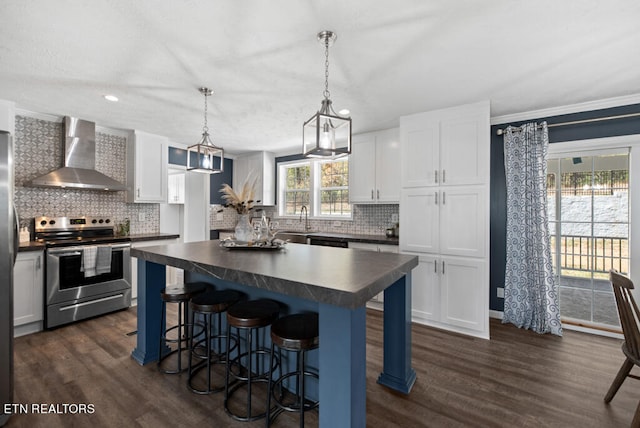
180, 294
249, 316
294, 333
208, 304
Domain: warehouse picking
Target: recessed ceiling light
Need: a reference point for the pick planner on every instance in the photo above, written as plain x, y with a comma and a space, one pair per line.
111, 98
344, 112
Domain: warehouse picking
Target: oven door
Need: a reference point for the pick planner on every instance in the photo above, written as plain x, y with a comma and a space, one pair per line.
67, 283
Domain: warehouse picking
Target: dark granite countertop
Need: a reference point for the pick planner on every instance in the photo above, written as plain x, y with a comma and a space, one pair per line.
349, 237
337, 276
39, 245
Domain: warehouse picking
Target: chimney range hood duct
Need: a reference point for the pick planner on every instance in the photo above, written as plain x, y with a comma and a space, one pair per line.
79, 170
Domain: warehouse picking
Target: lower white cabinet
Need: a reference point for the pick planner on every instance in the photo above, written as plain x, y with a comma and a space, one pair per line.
174, 275
449, 293
28, 292
381, 248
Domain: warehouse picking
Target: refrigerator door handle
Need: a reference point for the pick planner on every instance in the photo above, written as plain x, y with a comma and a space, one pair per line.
16, 235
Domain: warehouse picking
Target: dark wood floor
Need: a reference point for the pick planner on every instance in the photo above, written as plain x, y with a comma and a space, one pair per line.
517, 379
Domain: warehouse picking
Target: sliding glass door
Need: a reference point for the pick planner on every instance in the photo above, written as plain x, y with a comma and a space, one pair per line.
588, 197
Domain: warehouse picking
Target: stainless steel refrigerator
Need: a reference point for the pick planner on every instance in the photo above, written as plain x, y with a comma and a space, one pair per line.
8, 251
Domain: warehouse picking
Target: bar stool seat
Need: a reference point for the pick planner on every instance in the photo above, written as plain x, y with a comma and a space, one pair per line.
248, 316
180, 294
296, 333
208, 304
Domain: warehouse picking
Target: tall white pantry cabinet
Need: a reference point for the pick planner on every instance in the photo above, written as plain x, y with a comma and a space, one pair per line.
444, 215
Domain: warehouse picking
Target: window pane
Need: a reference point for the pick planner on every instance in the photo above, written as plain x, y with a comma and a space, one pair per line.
335, 202
294, 200
299, 177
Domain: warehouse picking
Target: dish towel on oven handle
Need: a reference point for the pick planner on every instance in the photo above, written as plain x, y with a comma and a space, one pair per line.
88, 262
103, 259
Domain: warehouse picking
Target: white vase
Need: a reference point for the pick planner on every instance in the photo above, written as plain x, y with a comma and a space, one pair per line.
244, 230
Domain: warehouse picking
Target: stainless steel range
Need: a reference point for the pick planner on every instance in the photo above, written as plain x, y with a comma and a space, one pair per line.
88, 269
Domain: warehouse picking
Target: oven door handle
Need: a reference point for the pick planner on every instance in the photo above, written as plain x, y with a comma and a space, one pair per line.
78, 249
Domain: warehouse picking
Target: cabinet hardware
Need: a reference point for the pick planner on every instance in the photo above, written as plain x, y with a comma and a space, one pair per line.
443, 193
138, 192
436, 175
443, 267
371, 193
443, 176
435, 266
436, 195
378, 193
38, 263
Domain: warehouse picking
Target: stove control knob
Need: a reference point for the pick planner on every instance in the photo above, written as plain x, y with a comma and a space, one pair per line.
107, 221
52, 222
94, 221
101, 221
43, 222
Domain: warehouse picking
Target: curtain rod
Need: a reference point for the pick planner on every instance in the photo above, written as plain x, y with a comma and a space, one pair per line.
501, 131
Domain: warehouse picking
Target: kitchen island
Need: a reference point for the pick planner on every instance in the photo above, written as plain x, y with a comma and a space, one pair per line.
335, 282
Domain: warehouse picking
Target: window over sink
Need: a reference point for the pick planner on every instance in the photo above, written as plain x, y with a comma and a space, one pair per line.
320, 185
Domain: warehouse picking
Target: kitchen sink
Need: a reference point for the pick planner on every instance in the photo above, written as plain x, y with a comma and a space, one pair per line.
294, 237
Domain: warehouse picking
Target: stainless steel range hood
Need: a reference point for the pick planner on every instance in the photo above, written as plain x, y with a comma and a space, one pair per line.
79, 170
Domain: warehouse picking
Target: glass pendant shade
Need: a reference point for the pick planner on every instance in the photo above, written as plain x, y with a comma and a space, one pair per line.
205, 156
326, 134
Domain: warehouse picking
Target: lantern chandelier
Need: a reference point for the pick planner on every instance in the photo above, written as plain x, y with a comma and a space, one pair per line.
205, 156
326, 134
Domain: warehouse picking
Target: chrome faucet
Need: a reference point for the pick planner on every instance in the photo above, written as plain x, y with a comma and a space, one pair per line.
306, 218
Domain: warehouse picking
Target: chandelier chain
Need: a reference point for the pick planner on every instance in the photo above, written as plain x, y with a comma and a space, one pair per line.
326, 92
205, 128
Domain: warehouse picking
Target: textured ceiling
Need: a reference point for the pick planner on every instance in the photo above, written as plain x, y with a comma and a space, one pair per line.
267, 70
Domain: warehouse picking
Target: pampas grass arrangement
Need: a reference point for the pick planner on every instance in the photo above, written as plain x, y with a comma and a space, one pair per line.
242, 202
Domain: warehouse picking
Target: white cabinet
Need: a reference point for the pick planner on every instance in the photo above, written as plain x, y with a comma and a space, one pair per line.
7, 116
381, 248
444, 213
373, 167
175, 188
446, 147
147, 158
173, 275
259, 166
28, 289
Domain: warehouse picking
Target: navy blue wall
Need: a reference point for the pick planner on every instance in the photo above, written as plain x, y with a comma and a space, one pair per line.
585, 131
179, 157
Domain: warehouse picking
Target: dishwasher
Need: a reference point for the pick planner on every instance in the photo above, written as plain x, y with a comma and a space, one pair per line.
329, 242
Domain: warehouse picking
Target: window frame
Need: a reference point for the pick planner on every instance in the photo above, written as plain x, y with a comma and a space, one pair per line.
314, 189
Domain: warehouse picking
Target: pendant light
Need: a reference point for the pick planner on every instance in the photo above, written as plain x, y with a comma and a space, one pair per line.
326, 134
205, 156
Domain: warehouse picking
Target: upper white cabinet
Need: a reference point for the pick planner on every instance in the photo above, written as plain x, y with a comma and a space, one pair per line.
7, 116
176, 188
28, 292
444, 213
147, 159
446, 147
259, 166
373, 167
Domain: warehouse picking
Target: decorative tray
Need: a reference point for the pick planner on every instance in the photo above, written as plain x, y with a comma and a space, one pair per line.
231, 244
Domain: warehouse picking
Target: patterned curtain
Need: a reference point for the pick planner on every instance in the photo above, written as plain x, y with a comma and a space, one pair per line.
530, 291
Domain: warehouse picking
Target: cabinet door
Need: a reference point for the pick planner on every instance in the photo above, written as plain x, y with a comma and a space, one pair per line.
387, 166
464, 294
147, 162
28, 288
419, 219
362, 165
425, 290
463, 221
465, 145
419, 136
176, 188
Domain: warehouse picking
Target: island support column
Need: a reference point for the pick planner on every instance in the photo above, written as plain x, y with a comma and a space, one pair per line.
343, 366
152, 278
397, 372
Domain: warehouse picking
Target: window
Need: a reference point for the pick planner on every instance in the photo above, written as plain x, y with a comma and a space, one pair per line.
321, 185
